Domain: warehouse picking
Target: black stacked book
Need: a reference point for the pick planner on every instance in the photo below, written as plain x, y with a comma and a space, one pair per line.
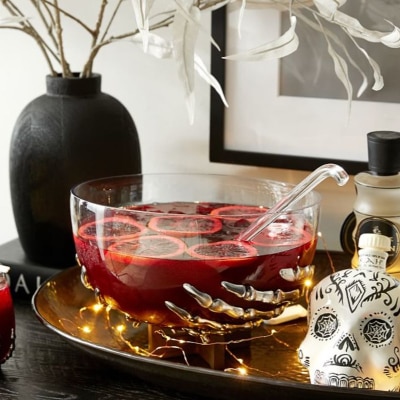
24, 276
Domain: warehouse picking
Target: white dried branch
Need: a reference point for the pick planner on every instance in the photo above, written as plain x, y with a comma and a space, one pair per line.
183, 17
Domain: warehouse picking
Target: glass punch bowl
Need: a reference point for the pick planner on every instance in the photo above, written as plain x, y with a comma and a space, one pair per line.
164, 248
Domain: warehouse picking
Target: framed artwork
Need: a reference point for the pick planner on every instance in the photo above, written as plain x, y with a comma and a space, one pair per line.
293, 112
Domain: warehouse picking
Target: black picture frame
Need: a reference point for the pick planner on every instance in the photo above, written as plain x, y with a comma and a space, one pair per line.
217, 149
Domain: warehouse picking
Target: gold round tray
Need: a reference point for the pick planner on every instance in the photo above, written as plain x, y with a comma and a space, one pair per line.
260, 364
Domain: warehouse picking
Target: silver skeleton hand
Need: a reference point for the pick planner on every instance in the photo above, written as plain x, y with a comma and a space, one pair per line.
247, 318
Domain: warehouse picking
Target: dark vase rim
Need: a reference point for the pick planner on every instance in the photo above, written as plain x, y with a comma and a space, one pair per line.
75, 76
75, 86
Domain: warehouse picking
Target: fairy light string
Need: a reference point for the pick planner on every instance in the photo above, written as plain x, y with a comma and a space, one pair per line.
92, 314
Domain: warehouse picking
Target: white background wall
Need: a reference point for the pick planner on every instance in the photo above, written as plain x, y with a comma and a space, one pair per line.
150, 90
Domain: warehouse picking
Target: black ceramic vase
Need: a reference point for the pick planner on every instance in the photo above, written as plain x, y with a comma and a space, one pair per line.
71, 134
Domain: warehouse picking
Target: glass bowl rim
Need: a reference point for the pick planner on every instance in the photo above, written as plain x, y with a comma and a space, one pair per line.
316, 199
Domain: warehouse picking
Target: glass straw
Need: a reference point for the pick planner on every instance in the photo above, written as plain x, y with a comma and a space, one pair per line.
298, 192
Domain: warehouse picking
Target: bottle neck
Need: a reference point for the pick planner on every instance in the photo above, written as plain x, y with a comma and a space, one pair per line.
368, 179
372, 259
377, 195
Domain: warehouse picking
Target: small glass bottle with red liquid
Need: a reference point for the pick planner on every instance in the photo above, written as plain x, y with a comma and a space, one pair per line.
7, 317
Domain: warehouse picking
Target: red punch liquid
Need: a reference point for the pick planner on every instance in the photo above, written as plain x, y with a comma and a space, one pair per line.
7, 321
138, 260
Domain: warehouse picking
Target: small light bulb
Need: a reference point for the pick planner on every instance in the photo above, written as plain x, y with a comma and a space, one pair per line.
86, 329
97, 307
308, 283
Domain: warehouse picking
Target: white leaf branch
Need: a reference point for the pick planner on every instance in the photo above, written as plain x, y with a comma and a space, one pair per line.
148, 16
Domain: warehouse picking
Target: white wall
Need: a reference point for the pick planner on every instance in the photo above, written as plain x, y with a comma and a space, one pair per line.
150, 90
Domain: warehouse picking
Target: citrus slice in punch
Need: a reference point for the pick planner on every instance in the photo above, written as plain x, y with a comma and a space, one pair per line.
282, 233
235, 213
146, 247
185, 225
226, 249
111, 229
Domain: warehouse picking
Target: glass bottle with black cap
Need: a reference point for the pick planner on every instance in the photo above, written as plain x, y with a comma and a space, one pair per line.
377, 203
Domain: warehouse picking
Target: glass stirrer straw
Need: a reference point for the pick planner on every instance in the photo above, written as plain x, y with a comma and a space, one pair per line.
299, 191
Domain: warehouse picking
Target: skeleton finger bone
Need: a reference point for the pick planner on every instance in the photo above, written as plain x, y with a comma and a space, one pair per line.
220, 306
83, 277
297, 274
249, 293
195, 321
